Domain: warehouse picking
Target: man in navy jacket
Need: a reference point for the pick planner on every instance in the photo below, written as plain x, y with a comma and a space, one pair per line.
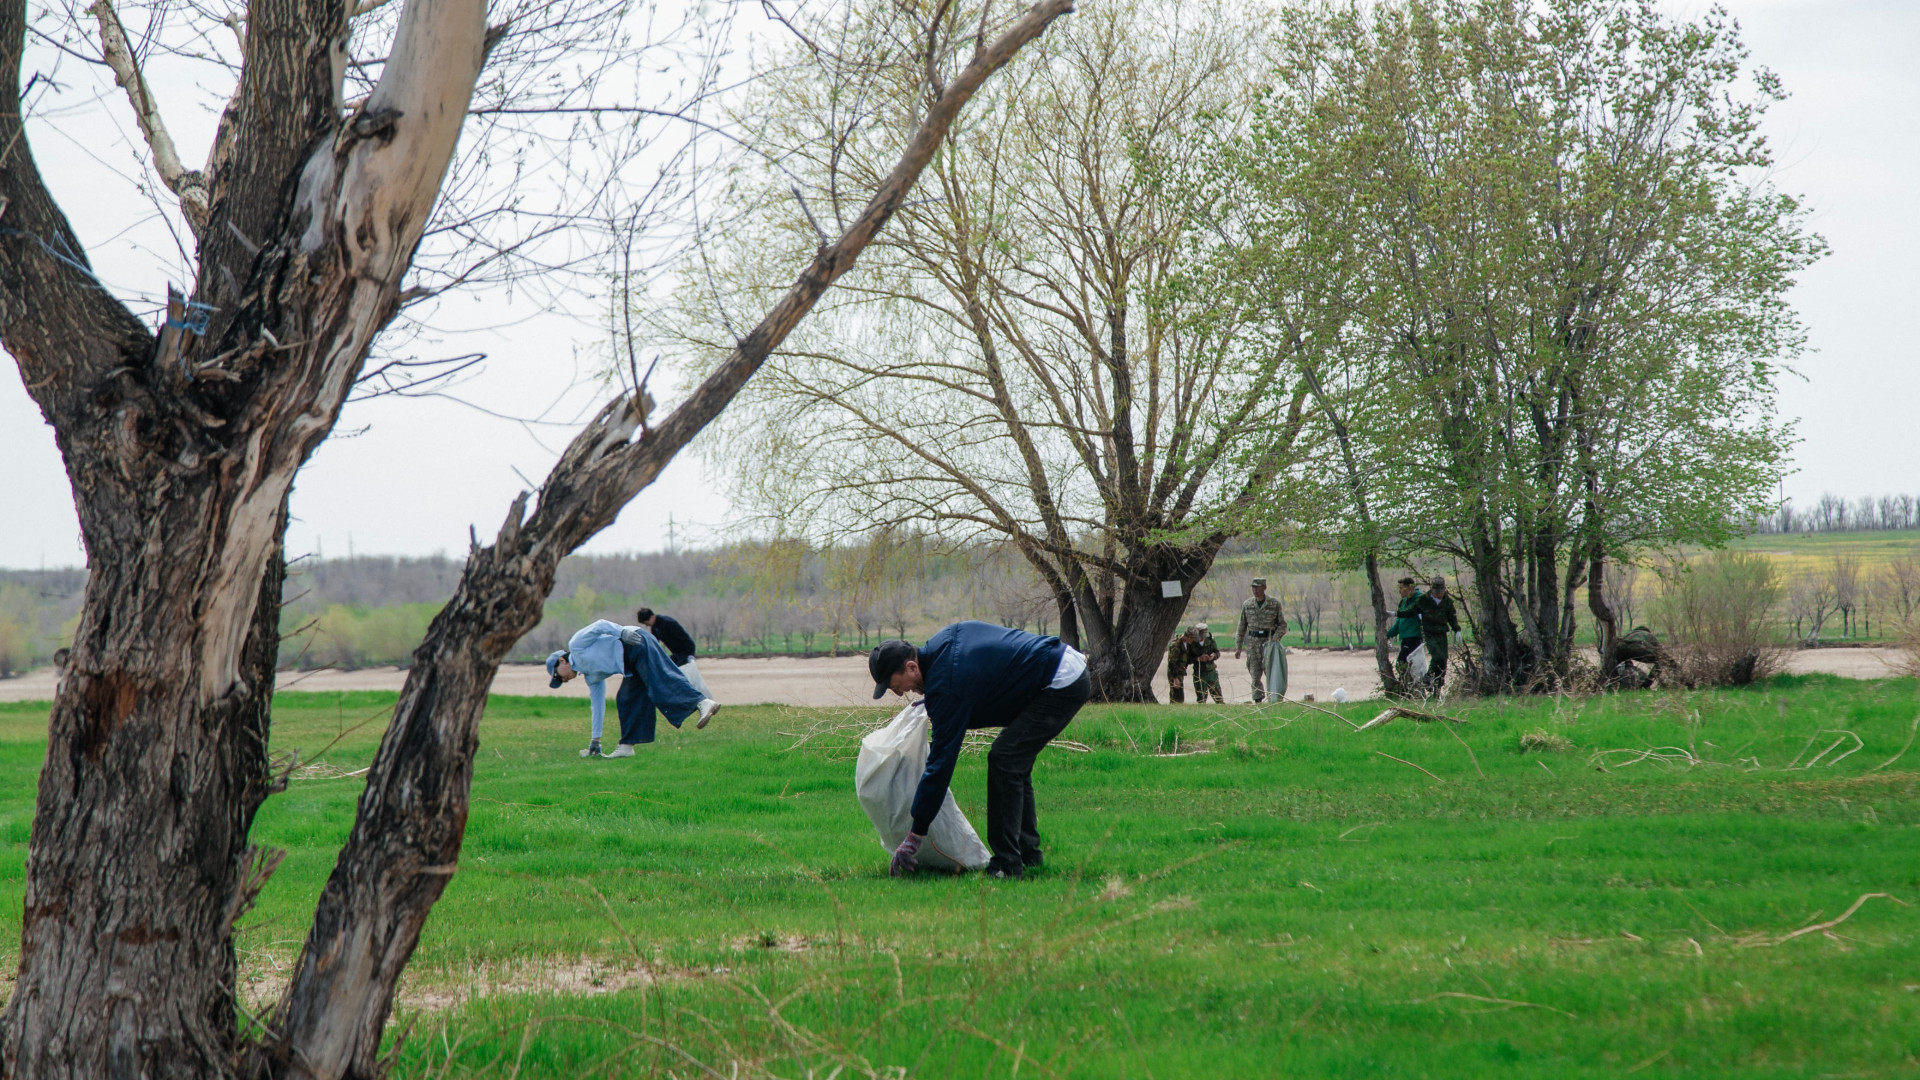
978, 675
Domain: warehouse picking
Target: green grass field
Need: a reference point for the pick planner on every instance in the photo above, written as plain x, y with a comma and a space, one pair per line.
1289, 902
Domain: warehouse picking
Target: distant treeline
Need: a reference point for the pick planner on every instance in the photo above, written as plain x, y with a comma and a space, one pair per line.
763, 599
1831, 513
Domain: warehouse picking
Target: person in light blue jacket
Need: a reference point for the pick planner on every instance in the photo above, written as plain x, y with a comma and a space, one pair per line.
648, 680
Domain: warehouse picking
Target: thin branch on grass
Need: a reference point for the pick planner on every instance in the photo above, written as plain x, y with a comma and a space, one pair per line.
1404, 761
1508, 1002
1396, 712
1357, 828
1911, 732
1469, 749
1824, 927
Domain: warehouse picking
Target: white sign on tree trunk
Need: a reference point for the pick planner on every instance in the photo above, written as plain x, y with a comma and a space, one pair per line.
1169, 589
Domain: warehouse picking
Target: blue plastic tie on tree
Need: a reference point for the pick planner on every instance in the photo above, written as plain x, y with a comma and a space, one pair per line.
196, 319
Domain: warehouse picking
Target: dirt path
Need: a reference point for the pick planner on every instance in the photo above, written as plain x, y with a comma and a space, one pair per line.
843, 681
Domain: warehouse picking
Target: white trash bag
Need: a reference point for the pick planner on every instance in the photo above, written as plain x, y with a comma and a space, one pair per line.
885, 778
1417, 662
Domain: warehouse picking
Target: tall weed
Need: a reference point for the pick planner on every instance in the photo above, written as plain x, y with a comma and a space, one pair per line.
1715, 616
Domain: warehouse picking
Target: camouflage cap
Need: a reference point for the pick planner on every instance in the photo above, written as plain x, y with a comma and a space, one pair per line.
1259, 583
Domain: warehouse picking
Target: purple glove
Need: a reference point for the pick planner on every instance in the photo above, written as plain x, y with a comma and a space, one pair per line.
903, 856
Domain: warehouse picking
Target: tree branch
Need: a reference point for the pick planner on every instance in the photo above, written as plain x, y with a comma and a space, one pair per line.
189, 184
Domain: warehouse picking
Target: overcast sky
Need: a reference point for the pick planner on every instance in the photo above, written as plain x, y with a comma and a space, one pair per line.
422, 471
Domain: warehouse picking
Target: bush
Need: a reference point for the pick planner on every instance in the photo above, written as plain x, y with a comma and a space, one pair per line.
1906, 653
14, 652
1715, 616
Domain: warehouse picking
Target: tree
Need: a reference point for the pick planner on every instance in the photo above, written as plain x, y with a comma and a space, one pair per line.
1567, 273
1013, 365
182, 446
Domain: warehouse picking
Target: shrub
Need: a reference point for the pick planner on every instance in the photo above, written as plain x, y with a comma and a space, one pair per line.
1715, 616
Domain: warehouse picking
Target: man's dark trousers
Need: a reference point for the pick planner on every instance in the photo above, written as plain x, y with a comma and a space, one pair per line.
1436, 658
1013, 832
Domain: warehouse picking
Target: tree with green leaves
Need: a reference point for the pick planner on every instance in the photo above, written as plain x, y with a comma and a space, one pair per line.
1563, 277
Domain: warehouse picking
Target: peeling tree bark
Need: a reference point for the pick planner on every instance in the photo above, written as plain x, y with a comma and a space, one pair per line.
181, 448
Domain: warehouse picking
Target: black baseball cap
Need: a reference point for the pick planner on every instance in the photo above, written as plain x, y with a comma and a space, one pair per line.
887, 658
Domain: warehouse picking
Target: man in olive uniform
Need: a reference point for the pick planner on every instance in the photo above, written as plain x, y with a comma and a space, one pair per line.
1261, 628
1177, 668
1437, 616
1206, 673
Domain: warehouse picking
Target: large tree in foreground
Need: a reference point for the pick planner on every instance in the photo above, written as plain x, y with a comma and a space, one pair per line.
1012, 363
1567, 274
182, 446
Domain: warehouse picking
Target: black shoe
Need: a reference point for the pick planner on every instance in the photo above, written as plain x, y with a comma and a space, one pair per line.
1032, 862
1003, 874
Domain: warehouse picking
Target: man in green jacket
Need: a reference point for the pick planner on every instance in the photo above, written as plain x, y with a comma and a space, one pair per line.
1406, 629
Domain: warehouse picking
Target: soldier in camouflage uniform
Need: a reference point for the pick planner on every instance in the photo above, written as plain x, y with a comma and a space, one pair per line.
1206, 674
1177, 668
1261, 628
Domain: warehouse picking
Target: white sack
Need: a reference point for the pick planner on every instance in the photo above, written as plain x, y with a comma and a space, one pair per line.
892, 760
1417, 662
691, 669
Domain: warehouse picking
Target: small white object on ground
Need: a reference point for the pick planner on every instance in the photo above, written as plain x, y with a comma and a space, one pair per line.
1340, 694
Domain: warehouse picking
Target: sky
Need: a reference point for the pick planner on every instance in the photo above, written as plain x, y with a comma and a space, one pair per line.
411, 476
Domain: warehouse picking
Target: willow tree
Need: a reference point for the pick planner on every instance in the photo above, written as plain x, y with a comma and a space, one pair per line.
1012, 364
1570, 271
182, 443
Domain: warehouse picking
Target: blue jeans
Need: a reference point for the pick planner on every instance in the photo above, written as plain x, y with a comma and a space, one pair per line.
649, 681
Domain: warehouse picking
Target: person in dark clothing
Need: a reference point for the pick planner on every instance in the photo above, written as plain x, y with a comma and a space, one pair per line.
1437, 617
1406, 627
668, 631
977, 675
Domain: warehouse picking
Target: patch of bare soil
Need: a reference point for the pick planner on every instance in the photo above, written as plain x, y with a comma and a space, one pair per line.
437, 991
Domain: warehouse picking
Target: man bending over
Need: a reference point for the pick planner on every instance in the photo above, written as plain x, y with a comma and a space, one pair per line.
977, 675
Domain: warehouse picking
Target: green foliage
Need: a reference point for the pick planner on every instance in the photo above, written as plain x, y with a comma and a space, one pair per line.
1296, 905
1553, 277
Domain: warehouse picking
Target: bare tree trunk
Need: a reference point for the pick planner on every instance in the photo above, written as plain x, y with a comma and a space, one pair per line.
1382, 640
406, 840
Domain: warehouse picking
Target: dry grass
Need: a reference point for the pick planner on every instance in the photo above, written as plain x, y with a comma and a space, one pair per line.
1541, 741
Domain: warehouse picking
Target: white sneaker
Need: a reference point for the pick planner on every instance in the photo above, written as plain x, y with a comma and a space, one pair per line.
592, 750
623, 750
708, 707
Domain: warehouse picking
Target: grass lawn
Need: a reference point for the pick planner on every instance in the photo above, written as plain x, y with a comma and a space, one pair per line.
1289, 903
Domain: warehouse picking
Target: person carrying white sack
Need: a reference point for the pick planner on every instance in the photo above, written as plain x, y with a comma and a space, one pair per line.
679, 643
648, 680
978, 675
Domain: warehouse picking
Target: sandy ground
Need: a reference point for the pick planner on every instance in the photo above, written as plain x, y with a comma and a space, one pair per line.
843, 681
